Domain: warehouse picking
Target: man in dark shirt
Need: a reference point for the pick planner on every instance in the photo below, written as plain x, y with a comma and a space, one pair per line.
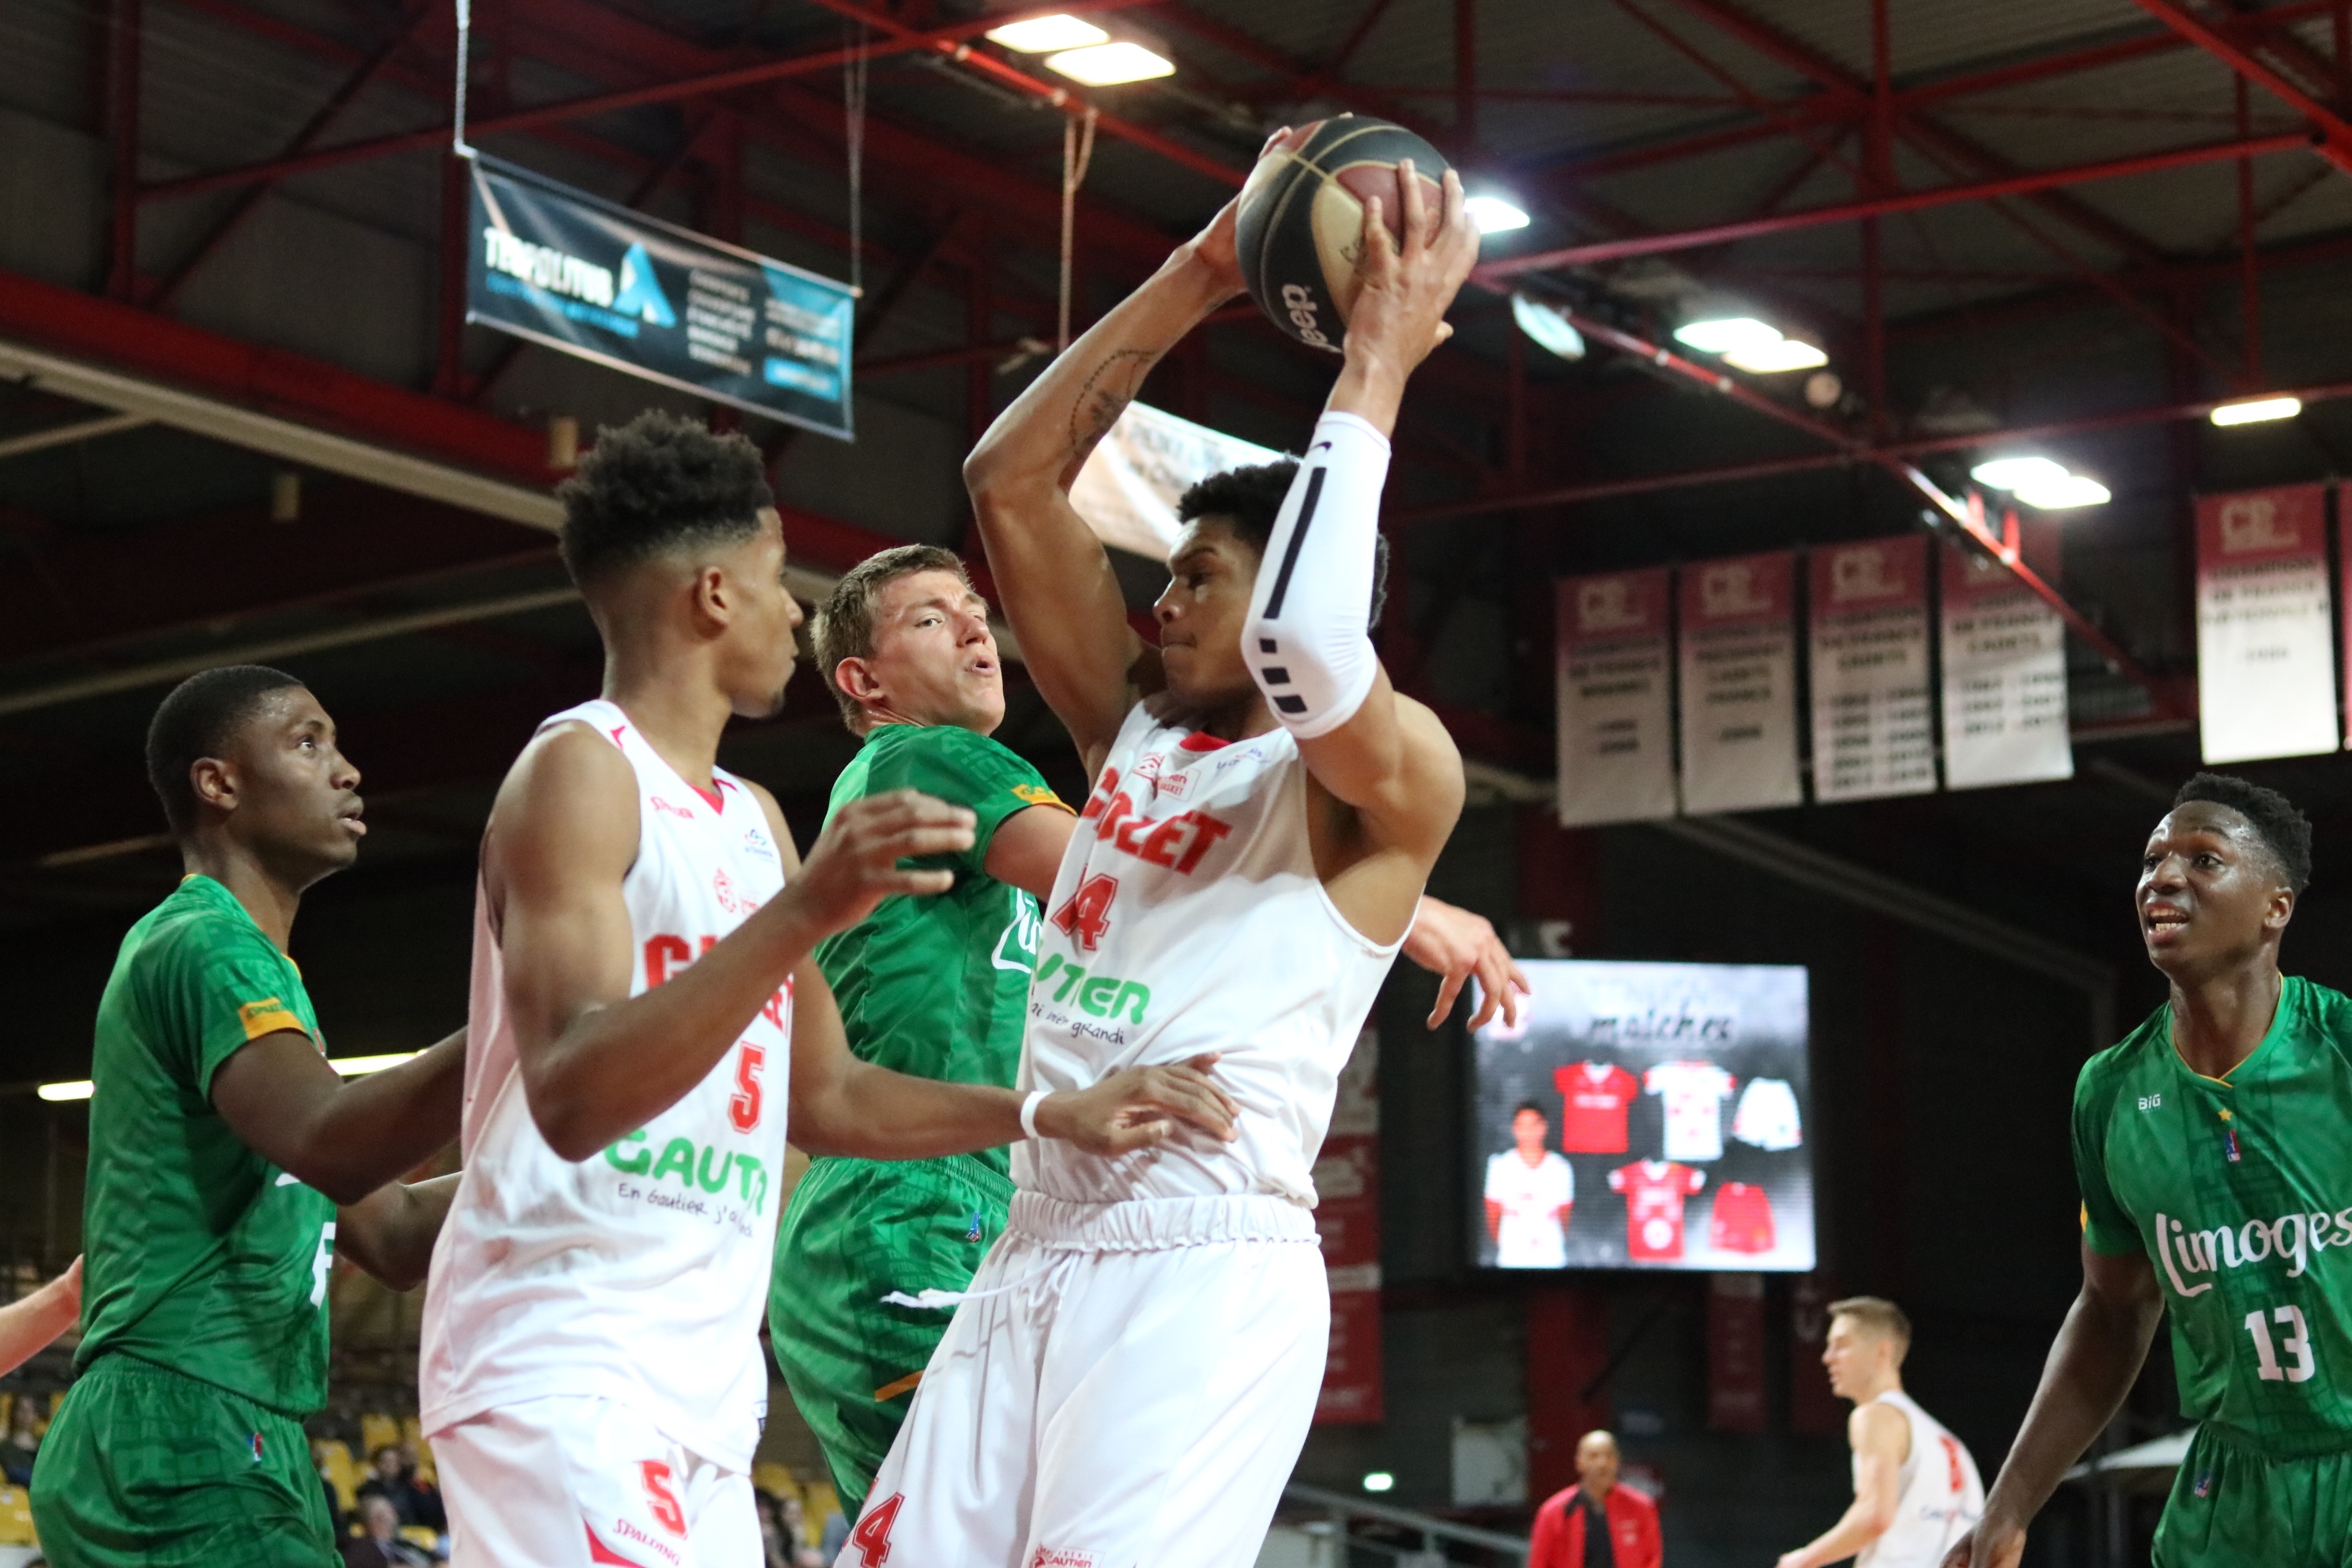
1596, 1523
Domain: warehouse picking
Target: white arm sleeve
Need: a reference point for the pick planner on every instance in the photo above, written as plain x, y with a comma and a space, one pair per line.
1307, 640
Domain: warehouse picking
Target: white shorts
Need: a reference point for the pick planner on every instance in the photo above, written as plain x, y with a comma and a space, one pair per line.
576, 1481
1126, 1385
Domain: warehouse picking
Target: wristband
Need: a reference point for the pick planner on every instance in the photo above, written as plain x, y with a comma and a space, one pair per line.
1029, 1113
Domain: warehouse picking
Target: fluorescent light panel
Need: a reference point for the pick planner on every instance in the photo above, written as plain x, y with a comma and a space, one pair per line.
1728, 335
350, 1067
1043, 35
1771, 359
2016, 473
1379, 1481
2257, 410
1548, 326
1493, 215
1109, 65
2060, 494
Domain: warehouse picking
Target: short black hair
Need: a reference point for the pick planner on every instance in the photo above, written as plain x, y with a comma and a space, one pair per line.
2285, 831
1526, 1106
654, 484
197, 721
1249, 500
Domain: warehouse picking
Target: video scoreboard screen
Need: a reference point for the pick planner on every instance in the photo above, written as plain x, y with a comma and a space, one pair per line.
1646, 1116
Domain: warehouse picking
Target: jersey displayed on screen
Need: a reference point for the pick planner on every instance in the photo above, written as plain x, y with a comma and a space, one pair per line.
1741, 1220
1694, 1093
1594, 1100
2239, 1191
1655, 1191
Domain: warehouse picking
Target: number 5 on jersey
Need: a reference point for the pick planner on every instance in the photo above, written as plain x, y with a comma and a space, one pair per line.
1085, 918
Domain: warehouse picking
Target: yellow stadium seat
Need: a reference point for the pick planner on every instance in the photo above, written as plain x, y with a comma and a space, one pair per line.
343, 1474
413, 1432
377, 1431
16, 1518
774, 1480
818, 1502
418, 1535
56, 1403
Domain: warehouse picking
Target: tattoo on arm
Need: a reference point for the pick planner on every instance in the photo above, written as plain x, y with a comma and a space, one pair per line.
1105, 396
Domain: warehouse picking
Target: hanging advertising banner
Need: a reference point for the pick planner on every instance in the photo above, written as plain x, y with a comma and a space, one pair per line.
1872, 734
1129, 485
1348, 1218
1616, 757
2004, 677
1735, 1354
571, 271
2265, 641
1738, 657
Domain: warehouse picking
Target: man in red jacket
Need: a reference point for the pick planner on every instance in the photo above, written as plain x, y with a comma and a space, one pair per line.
1565, 1536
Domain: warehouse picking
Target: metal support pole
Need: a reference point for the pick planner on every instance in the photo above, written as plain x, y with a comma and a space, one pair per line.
449, 360
2249, 262
1465, 71
122, 140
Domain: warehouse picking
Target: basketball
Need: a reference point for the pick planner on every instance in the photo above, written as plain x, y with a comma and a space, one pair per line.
1300, 230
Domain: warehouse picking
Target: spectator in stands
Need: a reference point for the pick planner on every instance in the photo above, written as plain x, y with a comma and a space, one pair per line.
795, 1520
1596, 1523
335, 1515
392, 1477
381, 1546
23, 1442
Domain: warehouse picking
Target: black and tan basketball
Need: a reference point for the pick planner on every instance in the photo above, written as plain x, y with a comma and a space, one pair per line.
1300, 230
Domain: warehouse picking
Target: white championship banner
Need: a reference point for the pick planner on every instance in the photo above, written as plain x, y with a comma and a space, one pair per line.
1129, 486
1739, 657
2265, 647
1616, 743
2004, 677
1872, 734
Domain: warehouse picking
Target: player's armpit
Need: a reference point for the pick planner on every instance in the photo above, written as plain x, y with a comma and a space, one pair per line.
390, 1233
1025, 850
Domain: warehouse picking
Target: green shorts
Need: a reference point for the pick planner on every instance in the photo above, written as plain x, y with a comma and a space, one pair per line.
2232, 1507
856, 1231
144, 1467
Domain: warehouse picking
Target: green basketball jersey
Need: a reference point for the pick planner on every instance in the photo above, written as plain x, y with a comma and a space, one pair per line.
2240, 1191
200, 1255
938, 987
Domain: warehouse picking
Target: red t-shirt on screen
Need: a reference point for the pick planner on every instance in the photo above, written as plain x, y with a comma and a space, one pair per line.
1594, 1100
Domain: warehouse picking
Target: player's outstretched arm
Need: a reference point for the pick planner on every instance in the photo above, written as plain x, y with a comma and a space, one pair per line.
2093, 1364
1878, 1436
1052, 573
390, 1233
292, 1107
26, 1327
597, 1062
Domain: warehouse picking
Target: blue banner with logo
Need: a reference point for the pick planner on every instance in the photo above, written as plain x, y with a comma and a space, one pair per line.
595, 278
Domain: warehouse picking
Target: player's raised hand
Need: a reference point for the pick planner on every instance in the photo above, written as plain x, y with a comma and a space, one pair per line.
1136, 1108
1454, 945
1404, 291
854, 865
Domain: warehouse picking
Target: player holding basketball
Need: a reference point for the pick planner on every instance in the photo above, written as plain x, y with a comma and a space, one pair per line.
1133, 1373
221, 1143
1915, 1489
939, 986
2213, 1147
643, 1010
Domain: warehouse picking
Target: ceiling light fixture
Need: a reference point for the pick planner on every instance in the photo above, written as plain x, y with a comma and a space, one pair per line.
1379, 1481
2255, 411
2017, 473
1771, 359
1043, 35
1493, 215
1726, 335
1110, 64
2060, 494
350, 1067
1548, 325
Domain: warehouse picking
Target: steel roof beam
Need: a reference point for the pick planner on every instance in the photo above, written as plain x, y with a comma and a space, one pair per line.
2334, 133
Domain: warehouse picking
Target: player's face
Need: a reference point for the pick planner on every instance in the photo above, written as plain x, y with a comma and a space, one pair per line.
1210, 575
290, 795
1528, 1130
935, 659
2209, 894
1855, 1357
757, 648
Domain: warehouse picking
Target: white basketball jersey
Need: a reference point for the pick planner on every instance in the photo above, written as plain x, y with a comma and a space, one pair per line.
1187, 918
1938, 1498
639, 1273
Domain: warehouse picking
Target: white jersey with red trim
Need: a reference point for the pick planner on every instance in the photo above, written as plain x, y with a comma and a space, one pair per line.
638, 1274
1187, 917
1938, 1497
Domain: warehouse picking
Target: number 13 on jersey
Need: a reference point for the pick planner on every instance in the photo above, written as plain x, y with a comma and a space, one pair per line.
2296, 1345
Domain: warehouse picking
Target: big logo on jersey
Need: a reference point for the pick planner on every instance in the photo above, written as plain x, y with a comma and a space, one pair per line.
1105, 996
679, 1158
2293, 1237
1177, 842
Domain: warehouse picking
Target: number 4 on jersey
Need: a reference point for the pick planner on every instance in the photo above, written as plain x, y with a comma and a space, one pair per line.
872, 1536
1087, 917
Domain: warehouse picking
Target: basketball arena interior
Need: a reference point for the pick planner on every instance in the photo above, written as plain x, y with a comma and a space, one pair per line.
1884, 450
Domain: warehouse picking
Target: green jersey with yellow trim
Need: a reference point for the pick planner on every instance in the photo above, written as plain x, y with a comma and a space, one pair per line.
200, 1254
939, 986
2239, 1191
